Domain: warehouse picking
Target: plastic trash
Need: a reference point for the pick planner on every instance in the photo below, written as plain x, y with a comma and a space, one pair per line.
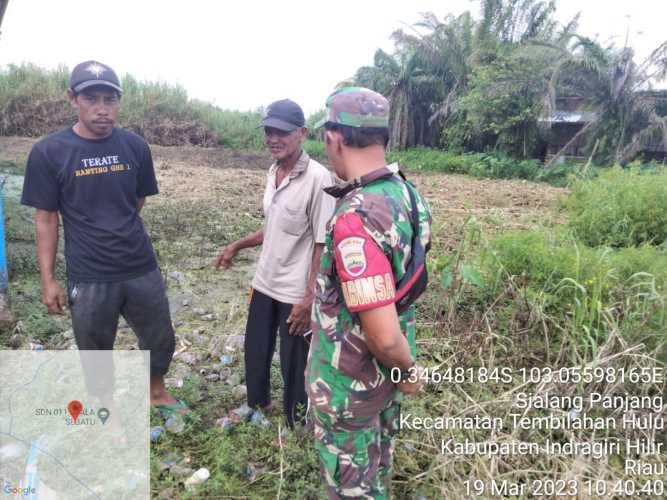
173, 382
198, 477
226, 360
244, 412
171, 460
155, 433
225, 423
175, 424
258, 418
180, 471
234, 379
240, 391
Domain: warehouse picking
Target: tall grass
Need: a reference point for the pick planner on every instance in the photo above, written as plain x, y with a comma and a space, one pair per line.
623, 208
33, 102
582, 292
31, 81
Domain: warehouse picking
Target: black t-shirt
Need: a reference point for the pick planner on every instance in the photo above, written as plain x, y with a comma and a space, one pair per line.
95, 185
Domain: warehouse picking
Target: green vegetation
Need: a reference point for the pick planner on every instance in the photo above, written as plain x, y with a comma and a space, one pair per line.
624, 208
568, 282
316, 150
24, 290
33, 102
533, 298
484, 165
483, 84
588, 292
481, 165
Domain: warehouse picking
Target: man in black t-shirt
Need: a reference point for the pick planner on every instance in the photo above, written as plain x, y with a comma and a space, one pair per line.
97, 177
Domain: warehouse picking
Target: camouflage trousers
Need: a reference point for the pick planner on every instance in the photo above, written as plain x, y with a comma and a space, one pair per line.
356, 453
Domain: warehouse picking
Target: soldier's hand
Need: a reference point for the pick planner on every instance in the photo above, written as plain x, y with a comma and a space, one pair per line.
299, 319
410, 387
226, 256
414, 383
53, 297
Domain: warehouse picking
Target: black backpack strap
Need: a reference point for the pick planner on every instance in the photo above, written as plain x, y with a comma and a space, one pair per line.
414, 219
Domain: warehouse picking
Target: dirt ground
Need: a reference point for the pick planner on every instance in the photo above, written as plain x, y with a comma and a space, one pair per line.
223, 181
236, 179
191, 172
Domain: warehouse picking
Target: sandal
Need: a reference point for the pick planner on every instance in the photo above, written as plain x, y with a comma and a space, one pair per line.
177, 408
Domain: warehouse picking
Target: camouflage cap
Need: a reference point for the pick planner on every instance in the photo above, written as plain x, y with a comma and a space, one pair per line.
356, 107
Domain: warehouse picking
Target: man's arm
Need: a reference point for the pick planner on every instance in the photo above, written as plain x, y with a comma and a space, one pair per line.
384, 337
140, 203
299, 318
359, 258
386, 342
46, 232
228, 253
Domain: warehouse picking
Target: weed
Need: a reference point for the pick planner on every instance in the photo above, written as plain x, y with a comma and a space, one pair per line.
582, 292
622, 208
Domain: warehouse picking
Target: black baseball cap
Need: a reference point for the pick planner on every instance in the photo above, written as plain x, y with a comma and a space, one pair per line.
91, 73
284, 115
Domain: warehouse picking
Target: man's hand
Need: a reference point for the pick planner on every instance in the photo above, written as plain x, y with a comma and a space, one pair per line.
414, 382
53, 297
226, 256
299, 318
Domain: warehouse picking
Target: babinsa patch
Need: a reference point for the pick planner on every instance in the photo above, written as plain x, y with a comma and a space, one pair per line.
352, 254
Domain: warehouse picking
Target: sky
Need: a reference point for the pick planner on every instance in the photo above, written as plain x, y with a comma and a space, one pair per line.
243, 54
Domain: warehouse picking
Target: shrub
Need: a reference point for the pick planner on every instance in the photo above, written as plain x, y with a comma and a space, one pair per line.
622, 208
483, 165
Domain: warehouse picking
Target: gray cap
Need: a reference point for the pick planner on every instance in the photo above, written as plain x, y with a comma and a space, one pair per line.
91, 73
284, 115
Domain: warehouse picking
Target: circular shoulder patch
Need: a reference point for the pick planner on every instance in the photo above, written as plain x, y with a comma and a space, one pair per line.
352, 254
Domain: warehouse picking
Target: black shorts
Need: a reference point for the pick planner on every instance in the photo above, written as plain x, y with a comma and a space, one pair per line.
142, 301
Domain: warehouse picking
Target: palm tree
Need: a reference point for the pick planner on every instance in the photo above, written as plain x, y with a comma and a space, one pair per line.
434, 60
409, 88
613, 86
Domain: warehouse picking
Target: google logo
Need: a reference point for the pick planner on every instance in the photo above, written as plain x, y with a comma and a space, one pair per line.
8, 489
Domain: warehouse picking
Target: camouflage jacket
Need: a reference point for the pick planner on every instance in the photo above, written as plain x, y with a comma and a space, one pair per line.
365, 253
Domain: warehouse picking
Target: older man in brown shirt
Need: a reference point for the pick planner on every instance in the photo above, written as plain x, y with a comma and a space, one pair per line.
296, 211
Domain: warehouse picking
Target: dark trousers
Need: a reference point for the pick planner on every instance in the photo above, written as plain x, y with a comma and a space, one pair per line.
142, 301
267, 319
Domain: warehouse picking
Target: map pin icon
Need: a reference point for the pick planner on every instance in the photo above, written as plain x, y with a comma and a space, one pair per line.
103, 415
74, 408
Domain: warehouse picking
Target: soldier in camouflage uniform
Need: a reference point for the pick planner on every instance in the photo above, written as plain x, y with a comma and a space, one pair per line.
360, 343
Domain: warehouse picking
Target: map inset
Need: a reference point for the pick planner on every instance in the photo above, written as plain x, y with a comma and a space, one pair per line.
74, 425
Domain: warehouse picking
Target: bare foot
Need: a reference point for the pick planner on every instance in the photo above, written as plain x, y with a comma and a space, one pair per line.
163, 399
159, 394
